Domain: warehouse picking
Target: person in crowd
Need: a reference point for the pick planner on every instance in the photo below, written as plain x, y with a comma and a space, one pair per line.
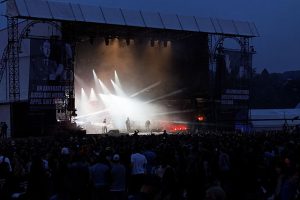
138, 170
77, 178
215, 192
147, 125
38, 180
118, 179
207, 165
5, 165
100, 176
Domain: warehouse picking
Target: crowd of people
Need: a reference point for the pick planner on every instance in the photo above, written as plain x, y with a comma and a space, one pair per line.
209, 165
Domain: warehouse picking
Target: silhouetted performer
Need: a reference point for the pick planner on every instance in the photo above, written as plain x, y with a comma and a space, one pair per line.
147, 125
128, 124
104, 126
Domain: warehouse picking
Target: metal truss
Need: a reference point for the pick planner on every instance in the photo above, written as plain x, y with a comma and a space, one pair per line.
216, 49
3, 62
13, 59
10, 55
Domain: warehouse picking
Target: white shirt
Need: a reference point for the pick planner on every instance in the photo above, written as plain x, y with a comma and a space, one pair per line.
138, 163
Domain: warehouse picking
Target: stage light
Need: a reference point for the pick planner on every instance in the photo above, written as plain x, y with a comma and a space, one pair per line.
92, 95
164, 96
94, 74
118, 89
118, 107
200, 118
84, 97
146, 89
84, 103
97, 85
103, 87
117, 80
106, 41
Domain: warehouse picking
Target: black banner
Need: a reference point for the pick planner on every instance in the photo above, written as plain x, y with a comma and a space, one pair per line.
49, 81
232, 84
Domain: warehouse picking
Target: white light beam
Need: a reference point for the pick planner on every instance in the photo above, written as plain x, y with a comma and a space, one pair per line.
146, 89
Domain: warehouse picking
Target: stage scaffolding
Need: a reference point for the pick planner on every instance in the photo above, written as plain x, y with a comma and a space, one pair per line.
57, 13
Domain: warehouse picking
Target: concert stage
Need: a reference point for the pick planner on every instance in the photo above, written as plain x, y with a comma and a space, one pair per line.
108, 64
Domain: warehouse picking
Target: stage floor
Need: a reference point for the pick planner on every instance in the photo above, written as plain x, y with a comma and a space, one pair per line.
114, 132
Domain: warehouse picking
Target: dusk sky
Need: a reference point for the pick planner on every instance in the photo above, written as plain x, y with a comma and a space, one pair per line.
278, 22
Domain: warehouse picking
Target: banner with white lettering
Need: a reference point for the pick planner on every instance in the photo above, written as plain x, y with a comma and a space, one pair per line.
234, 73
48, 80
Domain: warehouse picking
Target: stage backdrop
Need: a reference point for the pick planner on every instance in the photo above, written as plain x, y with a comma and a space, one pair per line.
49, 81
232, 86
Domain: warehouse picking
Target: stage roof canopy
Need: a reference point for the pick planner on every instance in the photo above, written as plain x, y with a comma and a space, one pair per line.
61, 11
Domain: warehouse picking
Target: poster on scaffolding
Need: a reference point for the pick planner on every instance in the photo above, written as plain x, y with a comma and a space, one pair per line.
49, 79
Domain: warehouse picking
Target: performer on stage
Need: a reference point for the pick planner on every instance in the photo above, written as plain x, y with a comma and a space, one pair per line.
104, 126
128, 124
147, 125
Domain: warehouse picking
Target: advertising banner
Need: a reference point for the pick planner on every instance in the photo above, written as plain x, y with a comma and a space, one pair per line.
49, 80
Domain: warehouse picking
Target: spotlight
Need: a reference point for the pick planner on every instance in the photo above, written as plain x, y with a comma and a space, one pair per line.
127, 41
106, 41
152, 43
200, 118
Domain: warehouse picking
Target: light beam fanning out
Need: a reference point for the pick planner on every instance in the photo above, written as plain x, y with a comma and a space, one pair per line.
117, 80
83, 96
166, 95
80, 82
93, 96
175, 112
146, 89
84, 102
104, 88
97, 86
118, 90
91, 114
